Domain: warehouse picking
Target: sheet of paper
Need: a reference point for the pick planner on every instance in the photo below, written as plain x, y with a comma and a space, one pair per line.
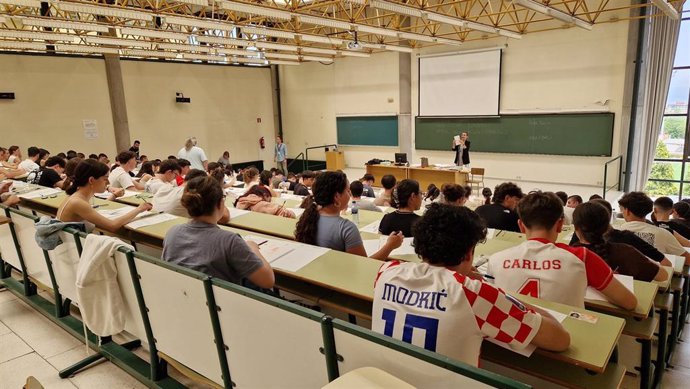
297, 211
272, 249
593, 294
34, 194
235, 213
131, 193
298, 258
151, 220
115, 213
404, 249
235, 191
372, 228
677, 260
490, 232
371, 245
383, 209
288, 196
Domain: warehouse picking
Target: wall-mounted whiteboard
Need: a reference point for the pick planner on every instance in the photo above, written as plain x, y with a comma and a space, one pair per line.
460, 84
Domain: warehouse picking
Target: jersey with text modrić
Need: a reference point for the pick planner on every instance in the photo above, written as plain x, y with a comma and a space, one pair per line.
446, 312
550, 271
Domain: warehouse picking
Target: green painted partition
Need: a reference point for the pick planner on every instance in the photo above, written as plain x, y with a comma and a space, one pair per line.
583, 134
367, 130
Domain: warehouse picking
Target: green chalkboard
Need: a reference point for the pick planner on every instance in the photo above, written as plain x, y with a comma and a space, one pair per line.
368, 130
585, 134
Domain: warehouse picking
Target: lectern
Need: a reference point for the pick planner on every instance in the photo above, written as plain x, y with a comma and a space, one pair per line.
335, 160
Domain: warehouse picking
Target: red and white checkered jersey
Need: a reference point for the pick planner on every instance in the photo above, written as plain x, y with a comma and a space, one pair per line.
446, 312
549, 271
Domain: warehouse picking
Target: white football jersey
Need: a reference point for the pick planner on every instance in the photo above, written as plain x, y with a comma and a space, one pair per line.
658, 237
446, 312
549, 271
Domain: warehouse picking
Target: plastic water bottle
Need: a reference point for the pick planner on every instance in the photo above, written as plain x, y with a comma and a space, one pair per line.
355, 213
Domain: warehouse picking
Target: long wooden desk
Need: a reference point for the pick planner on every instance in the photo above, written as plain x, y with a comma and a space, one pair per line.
346, 281
425, 176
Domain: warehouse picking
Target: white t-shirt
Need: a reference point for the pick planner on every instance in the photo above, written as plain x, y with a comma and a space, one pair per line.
550, 271
195, 156
155, 184
12, 159
568, 215
28, 165
446, 312
168, 199
658, 237
119, 178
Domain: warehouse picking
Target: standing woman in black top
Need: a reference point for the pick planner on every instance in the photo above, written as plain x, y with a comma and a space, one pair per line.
462, 150
406, 199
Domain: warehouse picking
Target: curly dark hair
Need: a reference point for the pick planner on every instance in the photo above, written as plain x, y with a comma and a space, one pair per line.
326, 186
452, 192
504, 190
637, 202
445, 234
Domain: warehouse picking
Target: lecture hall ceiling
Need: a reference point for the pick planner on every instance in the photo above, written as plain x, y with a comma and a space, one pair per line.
289, 32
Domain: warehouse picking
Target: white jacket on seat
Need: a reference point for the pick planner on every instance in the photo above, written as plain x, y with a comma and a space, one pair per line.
100, 300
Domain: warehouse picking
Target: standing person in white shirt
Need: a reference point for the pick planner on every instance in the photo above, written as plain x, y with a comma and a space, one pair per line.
439, 306
635, 206
120, 178
194, 154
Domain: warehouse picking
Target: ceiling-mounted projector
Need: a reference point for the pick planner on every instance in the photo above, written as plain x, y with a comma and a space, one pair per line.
353, 45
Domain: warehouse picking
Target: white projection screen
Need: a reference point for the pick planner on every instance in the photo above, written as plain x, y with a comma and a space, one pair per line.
460, 84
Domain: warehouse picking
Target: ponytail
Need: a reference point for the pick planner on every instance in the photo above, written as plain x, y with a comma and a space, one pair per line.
86, 169
400, 197
325, 187
306, 228
201, 196
592, 221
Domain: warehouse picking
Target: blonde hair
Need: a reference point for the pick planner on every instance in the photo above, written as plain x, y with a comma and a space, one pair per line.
189, 143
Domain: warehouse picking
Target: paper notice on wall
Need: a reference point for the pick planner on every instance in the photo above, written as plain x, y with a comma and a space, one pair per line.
90, 128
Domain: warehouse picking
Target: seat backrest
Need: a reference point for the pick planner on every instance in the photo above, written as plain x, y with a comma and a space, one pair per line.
263, 331
360, 347
134, 324
65, 260
477, 171
176, 302
8, 250
34, 259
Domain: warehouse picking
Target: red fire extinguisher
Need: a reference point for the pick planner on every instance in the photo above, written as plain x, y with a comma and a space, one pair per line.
262, 143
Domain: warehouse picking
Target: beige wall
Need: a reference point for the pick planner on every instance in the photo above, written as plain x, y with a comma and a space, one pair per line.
55, 94
564, 70
53, 97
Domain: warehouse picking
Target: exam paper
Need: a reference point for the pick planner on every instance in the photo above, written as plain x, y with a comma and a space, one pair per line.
373, 245
115, 213
271, 249
235, 213
372, 227
34, 194
593, 294
677, 260
151, 220
297, 211
287, 255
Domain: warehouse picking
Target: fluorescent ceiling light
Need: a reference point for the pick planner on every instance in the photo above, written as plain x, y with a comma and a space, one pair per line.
316, 50
238, 52
325, 22
204, 57
202, 3
182, 47
446, 19
415, 37
111, 11
282, 56
64, 24
377, 30
199, 23
267, 32
47, 36
23, 3
249, 60
223, 41
116, 42
316, 59
282, 63
509, 34
321, 39
275, 46
667, 8
154, 33
151, 53
256, 10
87, 49
482, 27
401, 49
17, 45
353, 54
560, 15
397, 8
452, 42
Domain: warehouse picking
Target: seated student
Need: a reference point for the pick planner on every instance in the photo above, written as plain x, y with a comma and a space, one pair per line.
567, 211
185, 166
635, 206
468, 193
165, 177
627, 237
91, 177
573, 201
663, 209
91, 156
24, 167
321, 224
103, 158
306, 180
592, 222
445, 238
258, 199
168, 199
250, 177
453, 194
43, 156
6, 197
52, 174
15, 156
357, 188
223, 254
292, 180
486, 193
384, 198
406, 199
224, 159
217, 170
146, 168
681, 212
553, 271
501, 214
433, 194
595, 197
120, 178
4, 155
367, 183
265, 181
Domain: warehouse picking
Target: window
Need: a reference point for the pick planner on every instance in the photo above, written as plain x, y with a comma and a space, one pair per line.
670, 174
